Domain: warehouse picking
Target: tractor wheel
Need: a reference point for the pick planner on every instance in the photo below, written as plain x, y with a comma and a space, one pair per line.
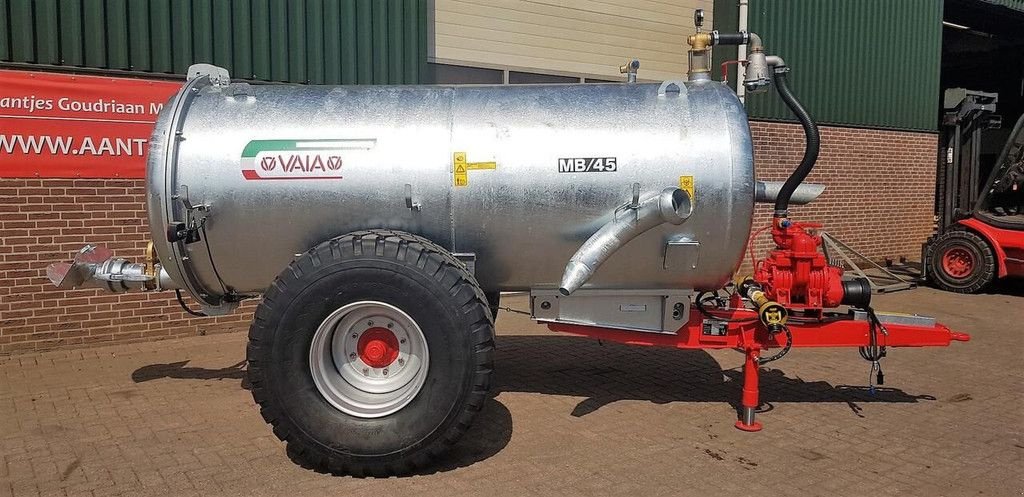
961, 262
371, 353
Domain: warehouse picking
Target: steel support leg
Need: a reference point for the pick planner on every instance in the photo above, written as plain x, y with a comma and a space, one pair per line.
751, 392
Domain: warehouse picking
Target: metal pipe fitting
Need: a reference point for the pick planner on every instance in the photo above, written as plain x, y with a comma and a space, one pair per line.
671, 206
699, 57
758, 76
754, 40
629, 69
776, 62
805, 193
96, 267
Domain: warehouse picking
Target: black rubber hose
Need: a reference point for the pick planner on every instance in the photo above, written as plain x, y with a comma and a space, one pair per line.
730, 38
810, 152
785, 348
184, 306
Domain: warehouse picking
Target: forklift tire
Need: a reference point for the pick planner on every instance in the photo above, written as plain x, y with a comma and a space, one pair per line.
961, 262
371, 354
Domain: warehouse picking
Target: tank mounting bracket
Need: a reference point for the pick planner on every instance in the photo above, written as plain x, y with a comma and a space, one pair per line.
195, 219
652, 311
218, 75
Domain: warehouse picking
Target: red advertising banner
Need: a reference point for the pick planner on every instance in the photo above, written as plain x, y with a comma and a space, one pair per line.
70, 126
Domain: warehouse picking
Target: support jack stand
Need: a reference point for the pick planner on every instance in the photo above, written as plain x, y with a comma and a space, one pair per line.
751, 391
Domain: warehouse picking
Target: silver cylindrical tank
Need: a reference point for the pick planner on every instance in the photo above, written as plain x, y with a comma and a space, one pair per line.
517, 176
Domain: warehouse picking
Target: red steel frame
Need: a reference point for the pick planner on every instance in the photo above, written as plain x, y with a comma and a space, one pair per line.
749, 336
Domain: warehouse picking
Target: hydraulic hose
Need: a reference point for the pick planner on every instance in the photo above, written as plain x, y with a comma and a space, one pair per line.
810, 152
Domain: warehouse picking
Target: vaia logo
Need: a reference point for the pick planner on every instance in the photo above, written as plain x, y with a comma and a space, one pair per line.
304, 162
297, 164
293, 159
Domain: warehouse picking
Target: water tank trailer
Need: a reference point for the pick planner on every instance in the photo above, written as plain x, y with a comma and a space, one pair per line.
379, 225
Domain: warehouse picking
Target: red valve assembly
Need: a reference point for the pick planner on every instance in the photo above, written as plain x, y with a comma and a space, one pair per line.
798, 276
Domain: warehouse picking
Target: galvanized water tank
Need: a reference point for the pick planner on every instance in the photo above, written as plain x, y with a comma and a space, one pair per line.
519, 176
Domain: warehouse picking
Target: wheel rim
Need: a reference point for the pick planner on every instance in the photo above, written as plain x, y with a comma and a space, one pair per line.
368, 359
958, 262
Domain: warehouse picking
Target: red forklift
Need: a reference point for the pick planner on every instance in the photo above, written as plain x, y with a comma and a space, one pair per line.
979, 203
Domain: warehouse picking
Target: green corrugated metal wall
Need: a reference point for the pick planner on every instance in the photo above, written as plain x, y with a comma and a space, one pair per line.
298, 41
870, 63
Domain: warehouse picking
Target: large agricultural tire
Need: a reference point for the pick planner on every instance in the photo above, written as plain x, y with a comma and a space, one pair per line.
371, 353
961, 262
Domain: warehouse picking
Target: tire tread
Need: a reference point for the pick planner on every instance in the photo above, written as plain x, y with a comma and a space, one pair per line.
413, 251
988, 261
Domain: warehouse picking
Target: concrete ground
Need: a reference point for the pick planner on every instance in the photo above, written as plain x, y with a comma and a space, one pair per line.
570, 416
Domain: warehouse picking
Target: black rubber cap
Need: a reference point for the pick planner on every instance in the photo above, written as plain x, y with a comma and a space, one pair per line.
857, 292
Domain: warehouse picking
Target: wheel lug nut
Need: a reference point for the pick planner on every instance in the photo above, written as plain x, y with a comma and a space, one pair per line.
401, 341
366, 371
401, 361
385, 371
391, 325
369, 323
352, 355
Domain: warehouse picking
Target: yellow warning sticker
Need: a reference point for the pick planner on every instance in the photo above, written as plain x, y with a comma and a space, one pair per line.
686, 184
460, 168
460, 177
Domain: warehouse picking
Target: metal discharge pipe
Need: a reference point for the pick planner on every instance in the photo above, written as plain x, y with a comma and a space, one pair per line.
96, 267
671, 206
768, 192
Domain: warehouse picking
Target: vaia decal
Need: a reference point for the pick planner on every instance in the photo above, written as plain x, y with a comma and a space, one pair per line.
298, 159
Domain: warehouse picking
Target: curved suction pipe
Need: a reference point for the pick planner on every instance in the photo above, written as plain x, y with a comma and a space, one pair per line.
671, 206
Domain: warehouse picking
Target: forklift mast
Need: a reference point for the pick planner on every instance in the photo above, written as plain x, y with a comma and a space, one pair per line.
958, 184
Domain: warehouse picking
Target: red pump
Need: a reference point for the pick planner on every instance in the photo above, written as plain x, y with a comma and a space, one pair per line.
797, 275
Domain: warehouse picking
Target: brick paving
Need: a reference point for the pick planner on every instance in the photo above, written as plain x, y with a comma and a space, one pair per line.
570, 416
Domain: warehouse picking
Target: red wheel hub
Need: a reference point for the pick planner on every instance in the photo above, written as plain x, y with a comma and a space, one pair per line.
958, 262
378, 347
